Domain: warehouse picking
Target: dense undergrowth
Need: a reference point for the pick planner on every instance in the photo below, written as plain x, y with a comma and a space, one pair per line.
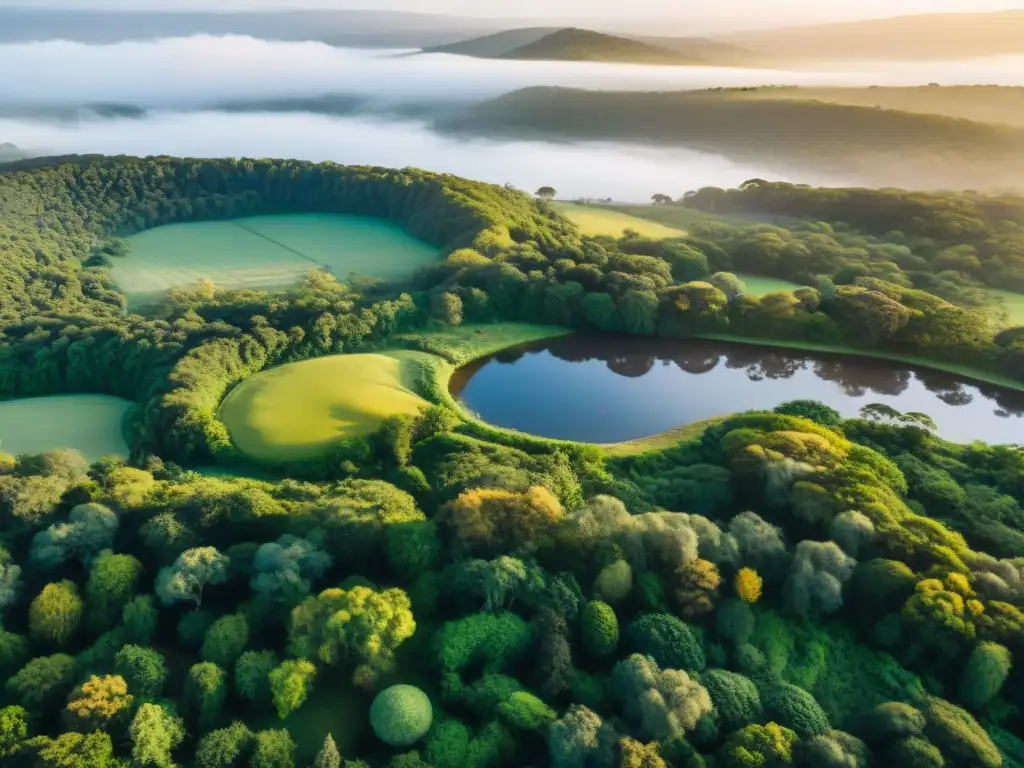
787, 589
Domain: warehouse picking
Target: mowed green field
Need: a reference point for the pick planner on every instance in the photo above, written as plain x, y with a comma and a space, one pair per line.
264, 252
89, 424
757, 285
1009, 302
596, 220
296, 411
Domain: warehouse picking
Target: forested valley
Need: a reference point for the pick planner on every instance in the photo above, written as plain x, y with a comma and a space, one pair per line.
787, 588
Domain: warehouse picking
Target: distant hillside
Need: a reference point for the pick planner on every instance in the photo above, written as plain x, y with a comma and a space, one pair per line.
930, 36
710, 51
569, 44
9, 153
868, 146
981, 103
494, 46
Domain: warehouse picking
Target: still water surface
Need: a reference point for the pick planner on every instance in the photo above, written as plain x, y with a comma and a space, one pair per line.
606, 389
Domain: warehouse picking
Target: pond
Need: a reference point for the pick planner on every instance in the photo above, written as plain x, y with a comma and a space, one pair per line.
609, 389
89, 424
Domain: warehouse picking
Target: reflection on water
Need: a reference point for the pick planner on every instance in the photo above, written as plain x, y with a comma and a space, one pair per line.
605, 389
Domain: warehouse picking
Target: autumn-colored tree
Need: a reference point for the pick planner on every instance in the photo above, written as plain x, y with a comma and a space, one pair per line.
636, 754
98, 702
748, 585
359, 625
493, 521
696, 587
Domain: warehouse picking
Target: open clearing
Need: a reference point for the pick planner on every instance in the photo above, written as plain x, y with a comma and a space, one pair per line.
596, 220
296, 411
89, 424
756, 285
265, 252
1010, 302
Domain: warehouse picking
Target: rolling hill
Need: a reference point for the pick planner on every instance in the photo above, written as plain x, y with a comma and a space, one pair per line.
920, 37
568, 44
870, 146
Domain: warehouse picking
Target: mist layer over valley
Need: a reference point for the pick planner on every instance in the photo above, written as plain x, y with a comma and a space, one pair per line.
240, 96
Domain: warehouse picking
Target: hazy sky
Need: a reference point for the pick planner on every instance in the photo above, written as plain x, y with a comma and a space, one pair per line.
752, 12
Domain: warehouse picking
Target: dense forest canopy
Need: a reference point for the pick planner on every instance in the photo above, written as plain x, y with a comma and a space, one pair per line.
790, 588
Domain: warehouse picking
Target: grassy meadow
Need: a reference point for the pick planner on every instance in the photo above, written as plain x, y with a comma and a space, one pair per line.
295, 411
1009, 302
757, 285
264, 252
596, 220
89, 424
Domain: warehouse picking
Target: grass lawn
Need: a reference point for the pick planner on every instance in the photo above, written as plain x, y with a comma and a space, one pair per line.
757, 285
605, 220
660, 441
1012, 303
264, 252
464, 343
295, 411
89, 424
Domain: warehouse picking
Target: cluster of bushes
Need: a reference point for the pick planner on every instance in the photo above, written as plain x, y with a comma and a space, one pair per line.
811, 613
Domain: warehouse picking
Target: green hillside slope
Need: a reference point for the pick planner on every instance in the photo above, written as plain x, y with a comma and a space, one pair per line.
583, 45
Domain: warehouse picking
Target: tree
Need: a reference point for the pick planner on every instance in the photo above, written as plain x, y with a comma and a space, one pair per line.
665, 703
748, 585
55, 613
734, 697
284, 570
13, 729
328, 756
273, 749
225, 640
359, 624
42, 682
113, 580
401, 715
526, 712
959, 736
757, 746
10, 581
225, 747
144, 670
290, 684
580, 738
634, 754
446, 307
986, 672
892, 721
696, 587
75, 750
206, 688
614, 582
252, 675
89, 529
793, 707
660, 199
190, 573
834, 749
99, 701
667, 640
139, 619
600, 629
155, 733
494, 522
817, 576
546, 193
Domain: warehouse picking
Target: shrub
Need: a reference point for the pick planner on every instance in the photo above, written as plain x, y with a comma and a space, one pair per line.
525, 711
983, 677
600, 629
959, 737
666, 639
794, 708
401, 715
734, 697
748, 585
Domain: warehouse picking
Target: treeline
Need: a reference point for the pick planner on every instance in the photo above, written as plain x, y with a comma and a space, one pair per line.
803, 611
874, 146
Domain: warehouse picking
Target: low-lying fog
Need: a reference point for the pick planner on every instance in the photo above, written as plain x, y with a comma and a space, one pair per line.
204, 70
623, 172
181, 82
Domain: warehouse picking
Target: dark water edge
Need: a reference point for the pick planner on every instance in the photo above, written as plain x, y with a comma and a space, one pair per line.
608, 388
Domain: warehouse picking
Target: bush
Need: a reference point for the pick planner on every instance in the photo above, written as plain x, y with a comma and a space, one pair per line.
734, 697
401, 715
891, 722
959, 737
600, 629
983, 677
668, 640
794, 708
525, 711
